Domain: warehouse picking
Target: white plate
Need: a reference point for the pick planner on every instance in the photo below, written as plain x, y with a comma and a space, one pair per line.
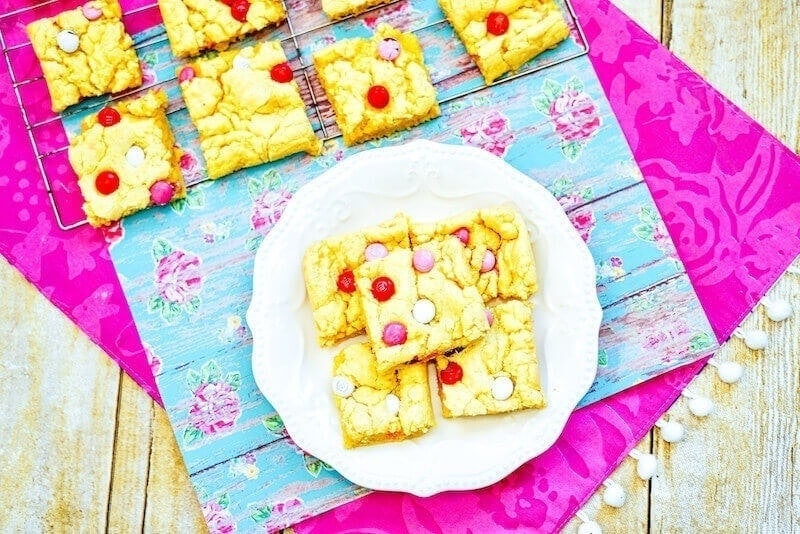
428, 181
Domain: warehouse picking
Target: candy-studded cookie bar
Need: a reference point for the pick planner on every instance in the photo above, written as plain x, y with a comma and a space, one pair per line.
377, 407
502, 35
195, 25
85, 52
247, 108
377, 86
414, 312
488, 248
126, 159
337, 9
499, 373
328, 269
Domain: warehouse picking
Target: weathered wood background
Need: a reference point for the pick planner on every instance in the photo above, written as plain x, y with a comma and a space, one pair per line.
116, 467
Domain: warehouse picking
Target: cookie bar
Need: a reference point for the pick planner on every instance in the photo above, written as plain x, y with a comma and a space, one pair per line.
126, 159
195, 25
377, 86
497, 374
85, 52
336, 9
489, 248
502, 35
247, 108
330, 283
377, 407
412, 313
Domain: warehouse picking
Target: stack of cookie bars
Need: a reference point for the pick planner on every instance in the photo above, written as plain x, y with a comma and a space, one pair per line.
245, 103
456, 293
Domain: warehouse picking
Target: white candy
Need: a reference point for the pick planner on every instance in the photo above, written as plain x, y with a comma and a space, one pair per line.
646, 466
754, 339
590, 527
671, 432
424, 311
392, 404
68, 41
240, 62
614, 495
342, 387
778, 310
502, 388
701, 406
135, 156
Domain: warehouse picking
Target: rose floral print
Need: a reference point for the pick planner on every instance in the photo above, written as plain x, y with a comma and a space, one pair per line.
178, 281
269, 198
215, 406
217, 516
572, 113
491, 132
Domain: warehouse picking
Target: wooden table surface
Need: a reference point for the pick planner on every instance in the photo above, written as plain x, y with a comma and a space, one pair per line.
82, 448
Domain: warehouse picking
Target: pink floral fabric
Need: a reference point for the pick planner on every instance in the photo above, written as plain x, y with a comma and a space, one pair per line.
574, 116
178, 277
490, 132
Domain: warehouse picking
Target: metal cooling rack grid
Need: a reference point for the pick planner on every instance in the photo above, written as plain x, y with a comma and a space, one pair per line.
300, 69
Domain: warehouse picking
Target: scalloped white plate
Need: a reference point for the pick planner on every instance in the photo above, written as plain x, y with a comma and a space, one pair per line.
428, 181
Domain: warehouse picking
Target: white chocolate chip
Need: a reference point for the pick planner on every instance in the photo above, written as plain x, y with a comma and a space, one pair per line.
342, 387
424, 311
392, 404
135, 156
68, 41
241, 63
502, 388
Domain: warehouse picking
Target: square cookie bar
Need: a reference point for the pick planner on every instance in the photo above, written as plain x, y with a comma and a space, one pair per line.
377, 86
497, 374
489, 248
377, 407
85, 52
336, 9
502, 35
126, 159
247, 108
195, 25
413, 315
330, 282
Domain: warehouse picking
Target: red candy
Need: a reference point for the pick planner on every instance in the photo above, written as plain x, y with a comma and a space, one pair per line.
108, 117
281, 73
382, 289
463, 235
497, 23
451, 374
378, 96
106, 182
226, 2
346, 282
239, 9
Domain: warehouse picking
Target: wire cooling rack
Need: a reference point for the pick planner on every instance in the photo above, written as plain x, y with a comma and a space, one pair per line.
47, 155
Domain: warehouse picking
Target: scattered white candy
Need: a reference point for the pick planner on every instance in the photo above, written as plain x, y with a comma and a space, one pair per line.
590, 527
342, 386
778, 310
728, 372
502, 388
240, 62
68, 41
646, 466
701, 406
135, 156
392, 404
671, 432
614, 495
424, 311
754, 339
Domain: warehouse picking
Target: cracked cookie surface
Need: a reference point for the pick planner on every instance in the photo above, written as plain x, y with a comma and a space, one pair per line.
336, 9
376, 407
243, 115
138, 148
195, 25
499, 373
351, 69
531, 27
85, 52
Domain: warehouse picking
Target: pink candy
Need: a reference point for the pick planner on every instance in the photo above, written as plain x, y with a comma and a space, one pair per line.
91, 12
489, 261
423, 260
489, 317
161, 192
389, 49
186, 74
394, 334
463, 235
375, 251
